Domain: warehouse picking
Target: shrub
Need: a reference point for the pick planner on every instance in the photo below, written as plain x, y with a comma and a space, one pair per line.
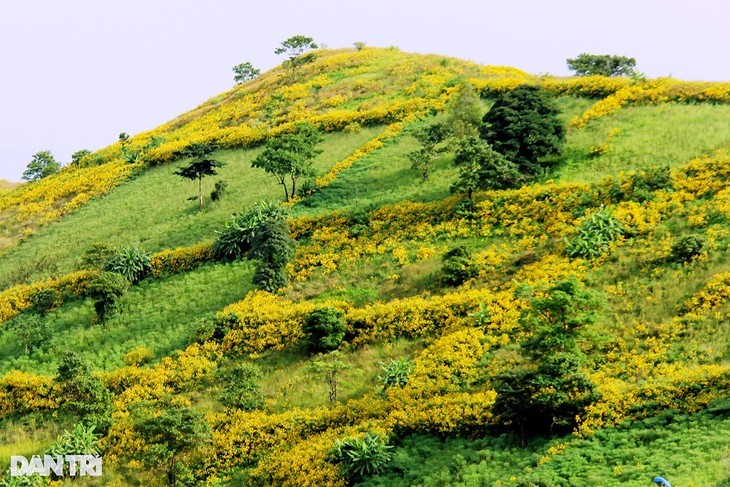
105, 290
687, 248
130, 262
325, 329
213, 328
138, 356
45, 300
272, 248
362, 457
220, 188
395, 373
242, 386
30, 329
234, 241
85, 395
595, 233
96, 256
457, 268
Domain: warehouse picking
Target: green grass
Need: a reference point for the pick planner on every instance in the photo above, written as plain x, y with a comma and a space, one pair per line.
157, 314
152, 211
669, 134
687, 450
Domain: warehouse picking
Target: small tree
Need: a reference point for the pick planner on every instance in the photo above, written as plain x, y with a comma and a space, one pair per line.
201, 165
523, 125
297, 48
85, 395
430, 136
272, 247
105, 290
465, 115
604, 65
78, 156
289, 157
41, 165
30, 329
480, 167
171, 431
328, 367
242, 386
244, 72
457, 266
325, 329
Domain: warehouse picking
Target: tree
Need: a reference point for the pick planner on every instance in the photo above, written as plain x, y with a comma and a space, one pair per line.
465, 115
430, 136
603, 65
296, 48
325, 329
42, 165
85, 394
480, 167
289, 156
244, 72
234, 241
105, 290
242, 386
30, 329
272, 247
78, 156
172, 431
200, 166
523, 125
328, 368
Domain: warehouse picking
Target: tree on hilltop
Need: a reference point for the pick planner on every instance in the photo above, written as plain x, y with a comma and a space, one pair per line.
297, 48
42, 165
603, 65
244, 72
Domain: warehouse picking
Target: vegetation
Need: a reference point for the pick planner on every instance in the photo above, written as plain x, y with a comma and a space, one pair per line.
296, 48
362, 457
325, 329
41, 166
244, 72
201, 165
131, 262
106, 290
602, 65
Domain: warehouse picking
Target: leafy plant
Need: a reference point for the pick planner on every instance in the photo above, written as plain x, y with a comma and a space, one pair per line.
242, 386
272, 248
687, 248
45, 300
30, 329
219, 189
457, 267
81, 440
324, 329
362, 457
105, 290
395, 373
130, 262
595, 233
234, 241
84, 393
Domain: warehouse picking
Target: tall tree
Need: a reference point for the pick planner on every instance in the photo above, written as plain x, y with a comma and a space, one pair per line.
430, 136
289, 157
297, 48
523, 125
244, 72
41, 165
201, 165
602, 64
272, 248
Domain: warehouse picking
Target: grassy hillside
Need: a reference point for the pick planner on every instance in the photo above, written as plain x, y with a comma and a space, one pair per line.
371, 244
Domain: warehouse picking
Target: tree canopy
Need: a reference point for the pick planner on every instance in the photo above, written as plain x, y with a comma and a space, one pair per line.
201, 165
602, 64
244, 72
41, 165
297, 47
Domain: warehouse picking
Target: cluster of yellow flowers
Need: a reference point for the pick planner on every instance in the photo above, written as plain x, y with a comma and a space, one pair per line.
183, 259
25, 392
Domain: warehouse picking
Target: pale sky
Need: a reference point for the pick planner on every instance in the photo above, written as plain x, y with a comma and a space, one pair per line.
76, 73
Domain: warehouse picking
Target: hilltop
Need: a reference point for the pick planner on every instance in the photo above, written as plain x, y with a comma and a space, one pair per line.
444, 300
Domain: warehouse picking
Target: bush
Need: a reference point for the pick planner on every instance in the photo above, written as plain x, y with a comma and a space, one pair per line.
325, 329
220, 188
595, 233
272, 248
362, 457
687, 248
130, 262
85, 395
139, 356
395, 373
105, 290
213, 328
96, 256
242, 387
457, 268
234, 241
45, 300
30, 329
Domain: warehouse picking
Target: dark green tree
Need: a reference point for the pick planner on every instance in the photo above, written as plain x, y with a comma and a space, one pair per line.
602, 64
242, 386
78, 156
272, 248
523, 125
105, 290
235, 240
200, 166
480, 167
289, 157
324, 329
172, 433
41, 165
84, 393
297, 48
30, 329
244, 72
430, 135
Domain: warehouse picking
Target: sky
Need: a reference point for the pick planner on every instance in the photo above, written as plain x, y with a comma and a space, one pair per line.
76, 73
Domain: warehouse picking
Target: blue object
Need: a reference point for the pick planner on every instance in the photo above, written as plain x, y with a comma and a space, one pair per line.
662, 482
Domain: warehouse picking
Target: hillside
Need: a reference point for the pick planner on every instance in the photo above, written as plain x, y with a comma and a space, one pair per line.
621, 335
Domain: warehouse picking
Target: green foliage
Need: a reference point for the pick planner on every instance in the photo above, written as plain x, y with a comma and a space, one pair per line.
602, 64
172, 433
77, 158
524, 126
297, 47
201, 165
242, 386
96, 256
430, 135
324, 329
328, 367
105, 290
359, 45
687, 248
41, 165
362, 457
457, 267
480, 167
81, 440
30, 329
272, 248
465, 114
220, 188
595, 233
395, 373
131, 262
45, 300
84, 394
289, 157
244, 72
235, 240
213, 328
642, 184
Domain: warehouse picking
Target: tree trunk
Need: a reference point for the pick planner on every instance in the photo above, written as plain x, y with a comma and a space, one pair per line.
200, 189
293, 188
286, 190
